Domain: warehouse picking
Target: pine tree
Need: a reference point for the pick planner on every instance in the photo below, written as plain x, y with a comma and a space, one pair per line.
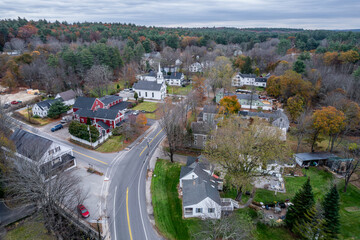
331, 213
311, 226
303, 200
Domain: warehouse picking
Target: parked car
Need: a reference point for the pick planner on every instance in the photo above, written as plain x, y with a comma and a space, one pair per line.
83, 211
136, 112
57, 127
6, 106
14, 102
19, 101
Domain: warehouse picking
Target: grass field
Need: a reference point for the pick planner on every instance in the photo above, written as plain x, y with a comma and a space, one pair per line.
320, 182
113, 144
179, 90
112, 89
146, 106
31, 229
167, 205
40, 121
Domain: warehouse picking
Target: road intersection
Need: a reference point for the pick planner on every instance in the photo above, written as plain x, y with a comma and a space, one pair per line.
122, 203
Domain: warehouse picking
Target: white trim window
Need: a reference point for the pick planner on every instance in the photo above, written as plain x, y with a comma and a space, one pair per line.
199, 210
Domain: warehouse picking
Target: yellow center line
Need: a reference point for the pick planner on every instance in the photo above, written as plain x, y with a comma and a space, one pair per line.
127, 212
91, 157
150, 142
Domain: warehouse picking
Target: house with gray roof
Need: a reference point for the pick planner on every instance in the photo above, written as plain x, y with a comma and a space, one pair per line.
41, 109
200, 199
68, 97
48, 155
240, 80
313, 158
277, 118
174, 79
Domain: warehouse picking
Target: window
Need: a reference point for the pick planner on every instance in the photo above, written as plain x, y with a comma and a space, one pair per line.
55, 161
195, 142
188, 211
139, 93
199, 210
204, 138
152, 94
51, 152
145, 94
57, 149
211, 210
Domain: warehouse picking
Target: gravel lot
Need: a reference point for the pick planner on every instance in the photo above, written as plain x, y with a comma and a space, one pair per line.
22, 96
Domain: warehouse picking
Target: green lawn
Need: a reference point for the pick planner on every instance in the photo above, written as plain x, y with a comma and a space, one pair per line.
31, 229
166, 203
320, 182
113, 144
39, 121
179, 90
146, 106
112, 89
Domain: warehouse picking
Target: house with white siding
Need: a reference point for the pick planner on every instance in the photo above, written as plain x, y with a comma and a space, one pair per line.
41, 109
68, 97
240, 80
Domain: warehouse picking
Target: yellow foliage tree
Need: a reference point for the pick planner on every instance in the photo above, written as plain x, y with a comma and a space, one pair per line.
229, 105
350, 56
141, 119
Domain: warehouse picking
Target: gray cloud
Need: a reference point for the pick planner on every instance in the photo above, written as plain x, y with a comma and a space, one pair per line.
309, 14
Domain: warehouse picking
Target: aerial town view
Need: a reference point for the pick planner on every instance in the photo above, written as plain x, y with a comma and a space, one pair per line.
179, 120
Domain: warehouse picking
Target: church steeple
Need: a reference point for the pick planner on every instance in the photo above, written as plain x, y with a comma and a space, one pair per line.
159, 77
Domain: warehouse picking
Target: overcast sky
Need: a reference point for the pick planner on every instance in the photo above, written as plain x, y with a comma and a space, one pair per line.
308, 14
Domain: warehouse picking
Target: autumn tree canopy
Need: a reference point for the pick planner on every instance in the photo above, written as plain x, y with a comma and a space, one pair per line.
229, 105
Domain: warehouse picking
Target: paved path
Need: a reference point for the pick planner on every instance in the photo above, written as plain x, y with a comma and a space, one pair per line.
8, 215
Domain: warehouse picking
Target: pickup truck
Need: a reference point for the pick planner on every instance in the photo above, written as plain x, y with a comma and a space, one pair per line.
57, 127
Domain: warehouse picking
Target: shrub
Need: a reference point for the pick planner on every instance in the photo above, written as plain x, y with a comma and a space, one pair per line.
36, 116
81, 131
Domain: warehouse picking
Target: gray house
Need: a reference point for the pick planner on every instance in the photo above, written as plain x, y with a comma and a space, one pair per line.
41, 109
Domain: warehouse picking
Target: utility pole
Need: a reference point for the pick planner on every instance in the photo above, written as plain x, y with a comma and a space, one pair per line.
28, 110
90, 135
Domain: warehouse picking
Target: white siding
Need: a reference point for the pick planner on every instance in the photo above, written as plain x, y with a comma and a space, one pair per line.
204, 205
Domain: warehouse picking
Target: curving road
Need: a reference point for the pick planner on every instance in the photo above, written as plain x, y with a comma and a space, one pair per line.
126, 202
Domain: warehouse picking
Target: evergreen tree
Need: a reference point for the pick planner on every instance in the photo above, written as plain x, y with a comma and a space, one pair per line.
56, 109
331, 213
311, 226
136, 96
247, 67
303, 200
299, 66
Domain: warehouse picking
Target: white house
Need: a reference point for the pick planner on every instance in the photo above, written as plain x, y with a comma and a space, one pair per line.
151, 87
174, 79
240, 80
200, 199
41, 109
195, 67
68, 97
48, 155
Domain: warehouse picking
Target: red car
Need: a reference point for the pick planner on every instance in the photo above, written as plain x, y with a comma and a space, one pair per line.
83, 211
14, 102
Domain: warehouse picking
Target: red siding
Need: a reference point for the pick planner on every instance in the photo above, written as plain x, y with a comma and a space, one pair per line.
97, 102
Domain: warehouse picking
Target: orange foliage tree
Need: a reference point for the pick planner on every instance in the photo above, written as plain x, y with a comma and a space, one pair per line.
27, 31
229, 105
350, 56
329, 121
273, 86
331, 58
199, 87
141, 119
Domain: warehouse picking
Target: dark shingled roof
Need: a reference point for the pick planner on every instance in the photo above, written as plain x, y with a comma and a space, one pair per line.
173, 75
210, 109
103, 125
121, 106
260, 79
195, 191
84, 102
201, 160
109, 99
67, 95
30, 145
47, 103
147, 85
201, 128
315, 156
247, 75
99, 113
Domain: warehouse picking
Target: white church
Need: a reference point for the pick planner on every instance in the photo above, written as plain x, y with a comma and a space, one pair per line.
151, 86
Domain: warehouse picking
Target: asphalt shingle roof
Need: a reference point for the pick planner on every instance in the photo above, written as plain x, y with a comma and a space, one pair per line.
109, 99
47, 103
173, 75
315, 156
84, 102
103, 125
147, 85
210, 109
121, 106
67, 95
30, 145
194, 191
99, 113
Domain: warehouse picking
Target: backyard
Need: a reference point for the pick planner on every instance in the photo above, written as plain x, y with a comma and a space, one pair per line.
150, 108
167, 205
36, 121
113, 144
31, 228
179, 90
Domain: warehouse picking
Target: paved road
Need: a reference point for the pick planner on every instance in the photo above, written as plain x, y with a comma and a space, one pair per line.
124, 194
126, 203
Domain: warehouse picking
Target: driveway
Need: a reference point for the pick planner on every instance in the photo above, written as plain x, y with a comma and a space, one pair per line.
8, 215
61, 133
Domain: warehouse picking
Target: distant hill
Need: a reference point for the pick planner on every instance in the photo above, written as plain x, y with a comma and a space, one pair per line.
347, 30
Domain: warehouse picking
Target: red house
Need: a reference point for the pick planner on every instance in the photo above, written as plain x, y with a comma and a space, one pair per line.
105, 113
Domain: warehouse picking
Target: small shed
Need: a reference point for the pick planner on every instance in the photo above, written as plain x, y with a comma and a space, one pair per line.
313, 159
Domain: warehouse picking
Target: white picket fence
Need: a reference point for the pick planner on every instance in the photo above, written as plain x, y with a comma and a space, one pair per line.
94, 144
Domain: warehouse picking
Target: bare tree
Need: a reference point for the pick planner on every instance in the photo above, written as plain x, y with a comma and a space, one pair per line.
235, 227
302, 128
29, 182
172, 122
98, 78
352, 167
169, 56
17, 44
30, 72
